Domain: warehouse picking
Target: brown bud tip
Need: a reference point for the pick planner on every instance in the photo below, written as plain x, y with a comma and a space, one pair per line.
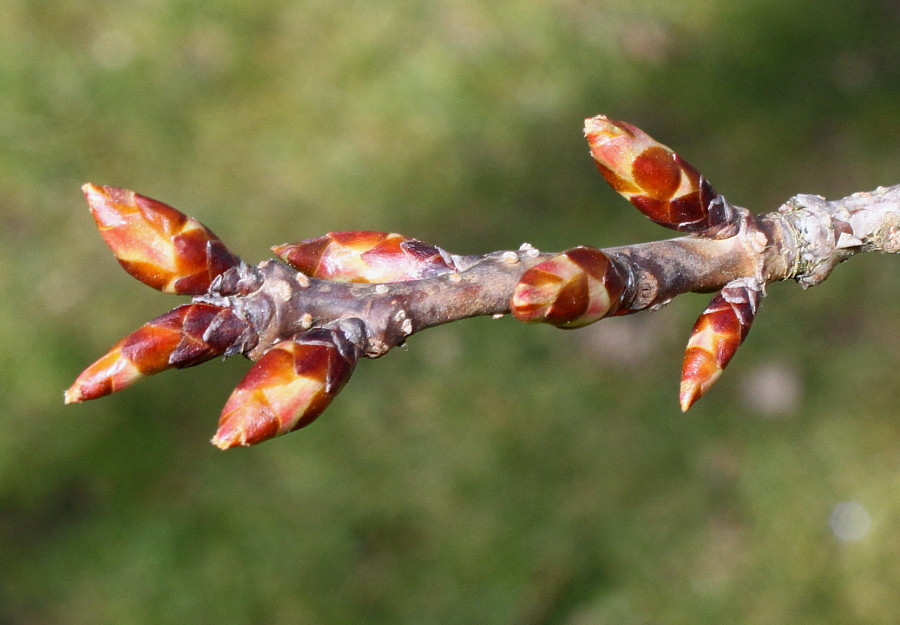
716, 336
183, 337
659, 183
365, 256
288, 387
157, 244
570, 290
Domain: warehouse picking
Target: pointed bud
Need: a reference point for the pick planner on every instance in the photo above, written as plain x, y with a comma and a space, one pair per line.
289, 386
570, 290
365, 256
157, 244
183, 337
718, 333
662, 185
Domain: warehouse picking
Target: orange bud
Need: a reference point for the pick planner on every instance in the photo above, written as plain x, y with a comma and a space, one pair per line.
288, 387
662, 185
365, 256
157, 244
183, 337
570, 290
718, 333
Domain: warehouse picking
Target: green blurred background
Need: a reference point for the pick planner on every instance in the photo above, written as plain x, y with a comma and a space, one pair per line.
491, 472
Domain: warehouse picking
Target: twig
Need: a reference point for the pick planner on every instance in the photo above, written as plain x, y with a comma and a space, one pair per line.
351, 294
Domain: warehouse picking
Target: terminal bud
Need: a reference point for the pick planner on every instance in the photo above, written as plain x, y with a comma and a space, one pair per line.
157, 244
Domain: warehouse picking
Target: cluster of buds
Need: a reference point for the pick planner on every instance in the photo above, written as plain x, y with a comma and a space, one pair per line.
302, 363
584, 285
295, 378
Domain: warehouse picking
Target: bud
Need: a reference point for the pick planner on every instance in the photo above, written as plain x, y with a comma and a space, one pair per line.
157, 244
570, 290
662, 185
289, 386
718, 333
183, 337
365, 256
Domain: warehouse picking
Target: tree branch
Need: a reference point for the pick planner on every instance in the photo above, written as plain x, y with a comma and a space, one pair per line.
352, 294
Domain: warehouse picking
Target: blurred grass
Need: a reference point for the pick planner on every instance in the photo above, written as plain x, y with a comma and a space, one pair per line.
491, 473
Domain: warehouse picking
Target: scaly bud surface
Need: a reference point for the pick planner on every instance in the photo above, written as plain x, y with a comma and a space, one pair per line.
288, 387
575, 288
719, 331
157, 244
366, 256
661, 184
183, 337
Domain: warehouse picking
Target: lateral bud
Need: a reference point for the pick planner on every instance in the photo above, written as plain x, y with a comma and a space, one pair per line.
158, 245
660, 184
719, 331
366, 256
575, 288
291, 384
183, 337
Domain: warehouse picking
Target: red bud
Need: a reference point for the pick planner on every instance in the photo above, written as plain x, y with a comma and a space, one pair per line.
183, 337
157, 244
365, 256
661, 184
287, 388
719, 331
573, 289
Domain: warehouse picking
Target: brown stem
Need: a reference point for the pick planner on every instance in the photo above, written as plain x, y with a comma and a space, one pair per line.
805, 240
